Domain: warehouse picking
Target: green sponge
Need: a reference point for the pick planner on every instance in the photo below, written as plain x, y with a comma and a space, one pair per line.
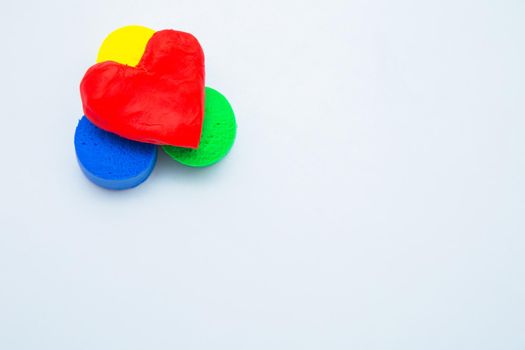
218, 133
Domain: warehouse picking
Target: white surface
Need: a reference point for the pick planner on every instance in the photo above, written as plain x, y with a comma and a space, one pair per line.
374, 198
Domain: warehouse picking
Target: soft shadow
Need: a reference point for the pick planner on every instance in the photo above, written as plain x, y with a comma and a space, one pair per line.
166, 167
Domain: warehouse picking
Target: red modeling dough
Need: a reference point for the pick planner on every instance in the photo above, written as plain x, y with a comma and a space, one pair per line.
159, 101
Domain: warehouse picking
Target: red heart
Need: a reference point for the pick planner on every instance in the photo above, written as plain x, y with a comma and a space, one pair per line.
159, 101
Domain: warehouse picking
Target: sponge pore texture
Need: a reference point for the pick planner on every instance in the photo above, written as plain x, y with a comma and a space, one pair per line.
111, 161
218, 133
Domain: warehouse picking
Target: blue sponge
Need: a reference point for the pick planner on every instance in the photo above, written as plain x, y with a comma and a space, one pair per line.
111, 161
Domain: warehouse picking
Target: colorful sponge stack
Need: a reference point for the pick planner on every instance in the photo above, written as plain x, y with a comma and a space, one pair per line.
147, 89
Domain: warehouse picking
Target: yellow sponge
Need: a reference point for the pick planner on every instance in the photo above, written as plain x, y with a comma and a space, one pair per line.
125, 45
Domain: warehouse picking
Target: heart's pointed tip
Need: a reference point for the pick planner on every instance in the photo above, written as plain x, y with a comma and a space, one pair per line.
193, 146
190, 144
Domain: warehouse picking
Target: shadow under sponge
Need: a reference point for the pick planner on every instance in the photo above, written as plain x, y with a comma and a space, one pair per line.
111, 161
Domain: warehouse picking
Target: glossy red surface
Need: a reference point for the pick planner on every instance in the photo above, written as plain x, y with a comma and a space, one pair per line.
159, 101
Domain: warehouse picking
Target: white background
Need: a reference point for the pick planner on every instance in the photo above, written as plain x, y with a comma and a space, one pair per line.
374, 198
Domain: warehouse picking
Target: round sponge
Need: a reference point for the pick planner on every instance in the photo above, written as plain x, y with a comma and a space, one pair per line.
125, 45
218, 133
111, 161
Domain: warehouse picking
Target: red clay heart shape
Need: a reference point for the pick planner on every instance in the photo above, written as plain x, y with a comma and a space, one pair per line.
159, 101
